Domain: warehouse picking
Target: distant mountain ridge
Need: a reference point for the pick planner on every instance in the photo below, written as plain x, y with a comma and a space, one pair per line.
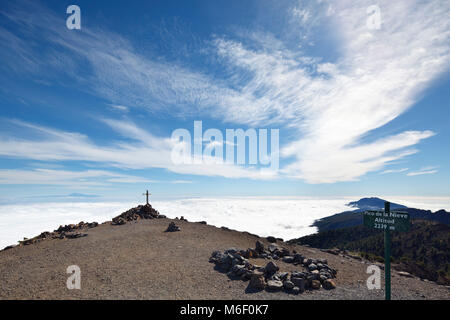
354, 218
373, 204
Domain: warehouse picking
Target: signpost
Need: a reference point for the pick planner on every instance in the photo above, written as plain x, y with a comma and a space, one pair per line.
388, 221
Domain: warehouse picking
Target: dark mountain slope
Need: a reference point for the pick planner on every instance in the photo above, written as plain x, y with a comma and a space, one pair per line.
423, 251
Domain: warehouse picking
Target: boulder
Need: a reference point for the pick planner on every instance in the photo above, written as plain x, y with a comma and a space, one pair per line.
172, 227
315, 284
257, 281
271, 239
274, 285
288, 285
312, 267
259, 248
328, 284
271, 268
299, 283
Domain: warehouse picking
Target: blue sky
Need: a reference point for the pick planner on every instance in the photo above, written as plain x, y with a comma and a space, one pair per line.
360, 111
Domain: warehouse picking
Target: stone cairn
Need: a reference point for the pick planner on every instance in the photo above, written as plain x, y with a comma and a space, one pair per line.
236, 264
139, 212
70, 231
172, 227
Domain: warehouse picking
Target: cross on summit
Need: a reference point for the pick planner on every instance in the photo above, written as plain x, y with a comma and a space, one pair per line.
146, 194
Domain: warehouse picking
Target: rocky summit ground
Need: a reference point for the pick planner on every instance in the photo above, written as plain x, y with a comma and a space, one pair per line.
140, 260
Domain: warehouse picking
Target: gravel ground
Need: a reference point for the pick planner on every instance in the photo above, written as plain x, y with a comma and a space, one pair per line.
139, 260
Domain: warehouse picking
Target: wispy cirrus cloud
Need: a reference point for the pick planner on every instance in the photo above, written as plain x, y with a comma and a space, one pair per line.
423, 171
333, 105
85, 178
394, 171
139, 149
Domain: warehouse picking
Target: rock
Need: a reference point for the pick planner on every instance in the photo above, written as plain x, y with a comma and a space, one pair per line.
298, 257
272, 248
75, 235
312, 267
283, 276
271, 239
274, 285
172, 227
288, 285
405, 274
315, 284
297, 274
334, 251
259, 248
139, 212
202, 222
257, 281
288, 259
328, 284
299, 283
307, 262
238, 269
161, 216
295, 290
119, 221
271, 268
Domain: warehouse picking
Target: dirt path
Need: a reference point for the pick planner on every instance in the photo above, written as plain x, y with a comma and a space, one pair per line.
139, 260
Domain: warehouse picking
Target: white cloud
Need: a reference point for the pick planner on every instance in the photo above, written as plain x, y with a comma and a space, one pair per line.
378, 76
333, 105
139, 150
120, 108
394, 171
65, 177
422, 171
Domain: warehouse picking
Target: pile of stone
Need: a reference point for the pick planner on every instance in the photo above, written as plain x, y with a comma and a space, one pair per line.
172, 227
70, 231
139, 212
318, 274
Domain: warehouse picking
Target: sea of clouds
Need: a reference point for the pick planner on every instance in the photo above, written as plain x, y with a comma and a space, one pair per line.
282, 217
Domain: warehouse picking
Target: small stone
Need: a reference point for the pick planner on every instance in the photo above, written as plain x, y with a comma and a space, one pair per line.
257, 281
307, 262
299, 283
259, 247
405, 274
328, 284
271, 268
283, 275
312, 267
274, 285
172, 227
315, 284
288, 259
288, 285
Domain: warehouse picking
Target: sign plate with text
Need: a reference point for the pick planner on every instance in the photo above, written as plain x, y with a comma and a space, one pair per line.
393, 221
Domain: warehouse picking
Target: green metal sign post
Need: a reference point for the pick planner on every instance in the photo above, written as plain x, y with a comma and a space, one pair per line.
387, 256
388, 221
